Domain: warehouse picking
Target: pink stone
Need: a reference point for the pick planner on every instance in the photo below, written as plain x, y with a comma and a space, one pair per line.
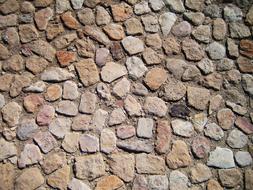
200, 146
45, 115
244, 124
125, 132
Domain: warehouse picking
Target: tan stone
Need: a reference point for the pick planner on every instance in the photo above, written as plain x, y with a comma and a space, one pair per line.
65, 58
179, 155
114, 31
53, 161
60, 178
70, 21
30, 178
155, 78
121, 12
7, 176
53, 92
32, 102
36, 64
111, 182
213, 185
5, 82
87, 72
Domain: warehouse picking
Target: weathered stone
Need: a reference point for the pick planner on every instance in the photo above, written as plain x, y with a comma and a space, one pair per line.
213, 185
36, 64
202, 33
87, 72
248, 177
145, 128
42, 3
65, 40
135, 146
76, 184
88, 103
114, 31
70, 142
112, 71
23, 181
65, 58
155, 106
20, 82
182, 128
135, 67
62, 6
125, 131
89, 166
225, 118
202, 94
206, 66
156, 5
7, 176
96, 34
77, 4
155, 78
45, 115
221, 158
200, 173
153, 41
244, 124
150, 23
70, 90
151, 57
196, 18
166, 21
30, 155
59, 127
9, 6
5, 82
214, 131
132, 106
107, 141
195, 5
179, 156
132, 45
43, 49
4, 52
232, 13
238, 30
28, 33
178, 180
174, 90
45, 141
149, 164
27, 129
10, 35
101, 56
249, 16
192, 50
102, 16
54, 92
219, 29
81, 122
230, 177
213, 11
243, 158
60, 178
122, 88
86, 16
117, 51
182, 29
109, 182
126, 171
141, 8
200, 146
133, 26
53, 161
8, 149
158, 182
11, 113
179, 110
42, 18
121, 12
89, 143
237, 139
117, 116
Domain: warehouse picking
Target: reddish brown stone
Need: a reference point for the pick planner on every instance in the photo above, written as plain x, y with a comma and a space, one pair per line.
32, 102
45, 115
117, 51
200, 146
65, 57
245, 65
163, 139
246, 48
244, 124
121, 12
70, 21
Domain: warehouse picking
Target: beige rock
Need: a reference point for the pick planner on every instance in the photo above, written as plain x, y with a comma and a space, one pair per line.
24, 182
7, 176
109, 183
149, 164
60, 178
53, 161
203, 95
114, 31
121, 12
213, 185
179, 155
155, 78
87, 72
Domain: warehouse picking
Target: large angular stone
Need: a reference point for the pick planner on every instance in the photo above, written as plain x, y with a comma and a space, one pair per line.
87, 72
8, 149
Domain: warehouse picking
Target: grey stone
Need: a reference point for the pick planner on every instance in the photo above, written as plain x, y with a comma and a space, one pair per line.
243, 158
206, 66
214, 131
247, 84
8, 149
202, 33
112, 71
67, 108
70, 142
175, 5
213, 11
122, 88
76, 184
196, 18
11, 113
156, 5
216, 51
77, 4
145, 128
60, 126
150, 23
221, 158
158, 182
30, 155
62, 6
239, 30
232, 13
27, 129
89, 143
135, 67
132, 45
166, 21
70, 90
117, 116
182, 128
237, 139
178, 180
88, 103
141, 8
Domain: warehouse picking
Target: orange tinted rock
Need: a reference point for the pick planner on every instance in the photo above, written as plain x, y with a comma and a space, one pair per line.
246, 47
70, 21
65, 57
109, 183
155, 78
32, 102
121, 12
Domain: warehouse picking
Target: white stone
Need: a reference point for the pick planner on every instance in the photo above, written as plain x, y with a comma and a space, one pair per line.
145, 127
135, 66
167, 20
182, 128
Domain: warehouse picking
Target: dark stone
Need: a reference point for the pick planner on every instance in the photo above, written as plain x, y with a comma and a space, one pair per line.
179, 110
117, 51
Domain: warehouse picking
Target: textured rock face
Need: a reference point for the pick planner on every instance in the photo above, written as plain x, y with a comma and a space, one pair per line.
133, 94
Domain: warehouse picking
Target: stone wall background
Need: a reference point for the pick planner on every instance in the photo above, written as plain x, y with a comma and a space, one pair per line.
141, 95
